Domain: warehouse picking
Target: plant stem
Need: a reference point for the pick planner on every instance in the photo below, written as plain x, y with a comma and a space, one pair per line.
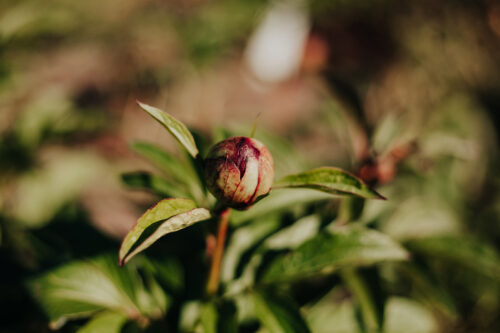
362, 293
213, 279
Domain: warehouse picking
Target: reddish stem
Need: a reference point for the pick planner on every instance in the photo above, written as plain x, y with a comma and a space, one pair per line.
213, 279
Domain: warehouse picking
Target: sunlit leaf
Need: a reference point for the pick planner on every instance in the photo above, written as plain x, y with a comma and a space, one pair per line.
406, 315
242, 241
160, 212
81, 288
329, 180
346, 247
294, 235
333, 313
174, 223
336, 314
105, 322
41, 193
278, 313
175, 127
422, 217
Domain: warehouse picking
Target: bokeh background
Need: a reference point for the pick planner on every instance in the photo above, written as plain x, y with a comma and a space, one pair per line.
405, 94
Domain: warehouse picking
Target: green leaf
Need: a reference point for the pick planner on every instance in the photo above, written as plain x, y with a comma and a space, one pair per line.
175, 127
277, 200
468, 252
175, 223
81, 288
219, 317
294, 235
147, 181
278, 313
369, 296
105, 322
330, 180
243, 241
172, 166
333, 313
170, 272
428, 289
409, 316
208, 318
160, 212
43, 191
346, 247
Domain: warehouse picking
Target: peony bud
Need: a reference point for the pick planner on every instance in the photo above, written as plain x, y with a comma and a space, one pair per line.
239, 171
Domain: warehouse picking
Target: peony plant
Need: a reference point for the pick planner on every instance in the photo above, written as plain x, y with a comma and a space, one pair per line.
238, 172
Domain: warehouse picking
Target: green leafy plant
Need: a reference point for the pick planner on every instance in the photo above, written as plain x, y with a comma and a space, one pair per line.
217, 288
239, 171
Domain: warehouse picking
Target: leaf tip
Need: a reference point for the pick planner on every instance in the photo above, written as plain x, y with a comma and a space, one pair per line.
142, 105
379, 196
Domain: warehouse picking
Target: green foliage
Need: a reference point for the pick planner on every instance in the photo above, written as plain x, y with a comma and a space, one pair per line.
278, 313
82, 288
329, 180
464, 251
146, 181
410, 112
169, 215
105, 322
175, 127
347, 247
178, 214
219, 317
176, 169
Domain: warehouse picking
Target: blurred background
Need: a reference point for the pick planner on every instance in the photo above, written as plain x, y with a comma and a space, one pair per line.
405, 94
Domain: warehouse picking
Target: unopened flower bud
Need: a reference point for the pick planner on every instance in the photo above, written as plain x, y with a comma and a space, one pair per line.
239, 171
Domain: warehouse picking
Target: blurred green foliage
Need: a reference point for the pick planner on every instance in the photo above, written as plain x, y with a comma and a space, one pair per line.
407, 99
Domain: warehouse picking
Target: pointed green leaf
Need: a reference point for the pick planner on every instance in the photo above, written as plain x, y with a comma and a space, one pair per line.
330, 180
105, 322
163, 210
175, 127
175, 223
324, 253
278, 313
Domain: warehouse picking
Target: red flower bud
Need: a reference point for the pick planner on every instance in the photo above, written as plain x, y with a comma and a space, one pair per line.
239, 171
